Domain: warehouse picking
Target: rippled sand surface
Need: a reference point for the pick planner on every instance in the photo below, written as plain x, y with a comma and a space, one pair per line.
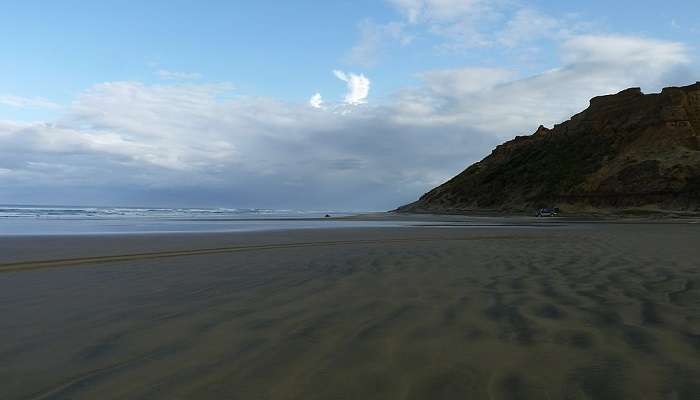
580, 311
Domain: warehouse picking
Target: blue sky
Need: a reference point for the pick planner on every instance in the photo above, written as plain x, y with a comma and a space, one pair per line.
207, 103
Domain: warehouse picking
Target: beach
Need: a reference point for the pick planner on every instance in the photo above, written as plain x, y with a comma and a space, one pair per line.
560, 310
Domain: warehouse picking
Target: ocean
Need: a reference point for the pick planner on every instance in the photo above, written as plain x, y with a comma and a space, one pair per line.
62, 220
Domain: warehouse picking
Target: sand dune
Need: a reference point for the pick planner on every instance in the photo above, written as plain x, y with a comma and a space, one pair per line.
578, 311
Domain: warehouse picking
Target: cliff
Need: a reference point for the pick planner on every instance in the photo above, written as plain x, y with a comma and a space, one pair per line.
627, 150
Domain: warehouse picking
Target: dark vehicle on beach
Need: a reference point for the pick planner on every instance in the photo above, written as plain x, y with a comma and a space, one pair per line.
547, 212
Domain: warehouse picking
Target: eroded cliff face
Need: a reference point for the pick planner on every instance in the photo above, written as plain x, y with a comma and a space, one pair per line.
626, 150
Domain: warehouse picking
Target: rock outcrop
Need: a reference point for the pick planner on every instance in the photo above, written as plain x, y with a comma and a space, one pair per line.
627, 150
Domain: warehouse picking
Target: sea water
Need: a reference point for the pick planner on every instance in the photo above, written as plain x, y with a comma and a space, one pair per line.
58, 220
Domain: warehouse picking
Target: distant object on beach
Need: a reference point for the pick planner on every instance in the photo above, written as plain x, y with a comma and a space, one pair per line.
548, 212
626, 151
327, 216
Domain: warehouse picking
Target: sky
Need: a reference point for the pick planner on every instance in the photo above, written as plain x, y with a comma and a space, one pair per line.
333, 105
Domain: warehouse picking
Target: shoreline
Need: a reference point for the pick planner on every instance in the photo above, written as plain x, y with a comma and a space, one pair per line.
53, 228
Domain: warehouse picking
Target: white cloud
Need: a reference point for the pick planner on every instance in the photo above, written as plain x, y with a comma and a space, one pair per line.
358, 87
316, 101
528, 25
460, 25
374, 38
618, 49
411, 9
463, 81
27, 102
459, 21
177, 76
593, 65
444, 10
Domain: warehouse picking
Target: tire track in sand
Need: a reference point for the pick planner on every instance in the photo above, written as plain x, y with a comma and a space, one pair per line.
70, 262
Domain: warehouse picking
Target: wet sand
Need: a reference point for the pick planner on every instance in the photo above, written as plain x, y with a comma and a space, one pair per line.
560, 311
